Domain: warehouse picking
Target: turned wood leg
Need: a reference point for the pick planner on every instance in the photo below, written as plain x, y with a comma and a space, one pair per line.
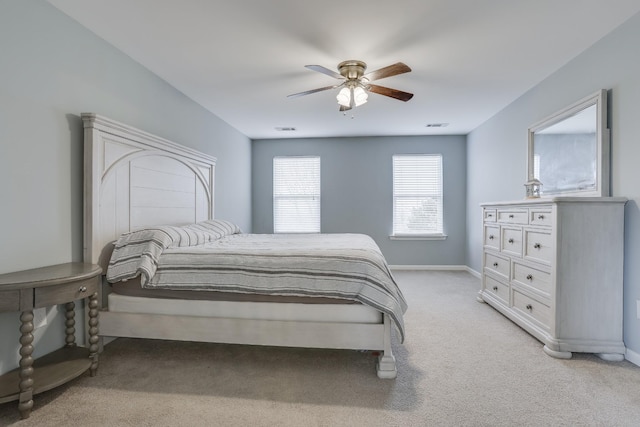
70, 324
26, 364
93, 333
386, 368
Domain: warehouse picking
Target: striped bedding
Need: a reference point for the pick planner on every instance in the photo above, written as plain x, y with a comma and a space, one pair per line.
346, 266
137, 252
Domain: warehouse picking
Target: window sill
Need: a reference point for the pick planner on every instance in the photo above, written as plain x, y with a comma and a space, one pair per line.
418, 237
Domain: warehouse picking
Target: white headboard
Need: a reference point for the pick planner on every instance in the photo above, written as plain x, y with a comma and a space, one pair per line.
134, 179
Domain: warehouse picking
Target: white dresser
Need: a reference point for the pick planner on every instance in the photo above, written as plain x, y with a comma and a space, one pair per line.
554, 266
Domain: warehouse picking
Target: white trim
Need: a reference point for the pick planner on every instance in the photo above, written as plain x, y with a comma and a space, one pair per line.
436, 268
632, 357
428, 267
418, 237
473, 272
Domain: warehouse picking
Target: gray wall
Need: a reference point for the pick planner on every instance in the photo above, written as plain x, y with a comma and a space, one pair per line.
497, 150
51, 70
356, 186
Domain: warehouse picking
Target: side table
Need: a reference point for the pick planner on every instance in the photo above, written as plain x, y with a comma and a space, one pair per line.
42, 287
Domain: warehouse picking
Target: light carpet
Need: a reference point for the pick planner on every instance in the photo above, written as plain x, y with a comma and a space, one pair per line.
463, 364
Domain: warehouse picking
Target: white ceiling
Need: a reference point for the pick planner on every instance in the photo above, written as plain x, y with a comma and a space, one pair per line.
241, 58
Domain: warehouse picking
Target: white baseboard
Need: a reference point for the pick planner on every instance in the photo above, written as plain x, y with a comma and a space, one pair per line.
435, 268
632, 357
427, 267
474, 273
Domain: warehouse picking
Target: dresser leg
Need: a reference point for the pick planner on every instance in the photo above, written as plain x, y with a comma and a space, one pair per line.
611, 357
93, 334
557, 354
26, 364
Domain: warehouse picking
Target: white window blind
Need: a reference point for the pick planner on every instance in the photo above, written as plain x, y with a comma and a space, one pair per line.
417, 195
296, 194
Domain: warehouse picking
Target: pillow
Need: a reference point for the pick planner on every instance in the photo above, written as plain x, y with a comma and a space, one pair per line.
137, 252
218, 226
203, 232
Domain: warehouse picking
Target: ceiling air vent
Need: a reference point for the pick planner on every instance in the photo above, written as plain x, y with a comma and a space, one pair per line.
285, 129
437, 125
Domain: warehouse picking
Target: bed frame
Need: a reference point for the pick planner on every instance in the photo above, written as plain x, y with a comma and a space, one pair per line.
134, 179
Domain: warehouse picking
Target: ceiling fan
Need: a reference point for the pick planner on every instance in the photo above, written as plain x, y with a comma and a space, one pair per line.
355, 85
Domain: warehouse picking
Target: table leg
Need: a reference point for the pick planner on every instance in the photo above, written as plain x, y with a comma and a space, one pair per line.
26, 364
93, 333
70, 323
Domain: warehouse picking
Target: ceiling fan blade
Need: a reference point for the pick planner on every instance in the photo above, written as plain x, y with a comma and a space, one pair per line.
391, 70
308, 92
324, 70
393, 93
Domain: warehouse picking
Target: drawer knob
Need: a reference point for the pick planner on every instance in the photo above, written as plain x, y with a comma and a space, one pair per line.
537, 245
510, 240
529, 277
491, 237
529, 307
510, 215
495, 288
82, 289
540, 216
495, 264
489, 215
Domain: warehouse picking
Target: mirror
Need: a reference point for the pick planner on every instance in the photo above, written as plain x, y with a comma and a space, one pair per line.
569, 150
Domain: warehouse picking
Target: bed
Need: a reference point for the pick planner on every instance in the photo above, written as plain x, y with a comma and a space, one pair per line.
149, 212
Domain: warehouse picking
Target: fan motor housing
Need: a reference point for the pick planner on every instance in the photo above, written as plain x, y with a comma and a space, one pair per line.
352, 69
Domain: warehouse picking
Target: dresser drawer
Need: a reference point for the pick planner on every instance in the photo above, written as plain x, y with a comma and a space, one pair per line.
540, 217
537, 279
538, 246
492, 237
532, 308
497, 264
490, 215
59, 294
497, 289
513, 216
511, 241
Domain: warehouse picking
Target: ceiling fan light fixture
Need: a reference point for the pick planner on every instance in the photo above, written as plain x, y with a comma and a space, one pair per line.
360, 96
352, 97
344, 97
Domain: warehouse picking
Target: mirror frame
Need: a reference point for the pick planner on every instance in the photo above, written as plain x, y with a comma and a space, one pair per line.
599, 99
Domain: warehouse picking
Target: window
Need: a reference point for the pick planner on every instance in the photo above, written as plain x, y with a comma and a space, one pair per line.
296, 194
417, 196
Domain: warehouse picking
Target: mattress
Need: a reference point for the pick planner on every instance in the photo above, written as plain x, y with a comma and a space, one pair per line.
133, 288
